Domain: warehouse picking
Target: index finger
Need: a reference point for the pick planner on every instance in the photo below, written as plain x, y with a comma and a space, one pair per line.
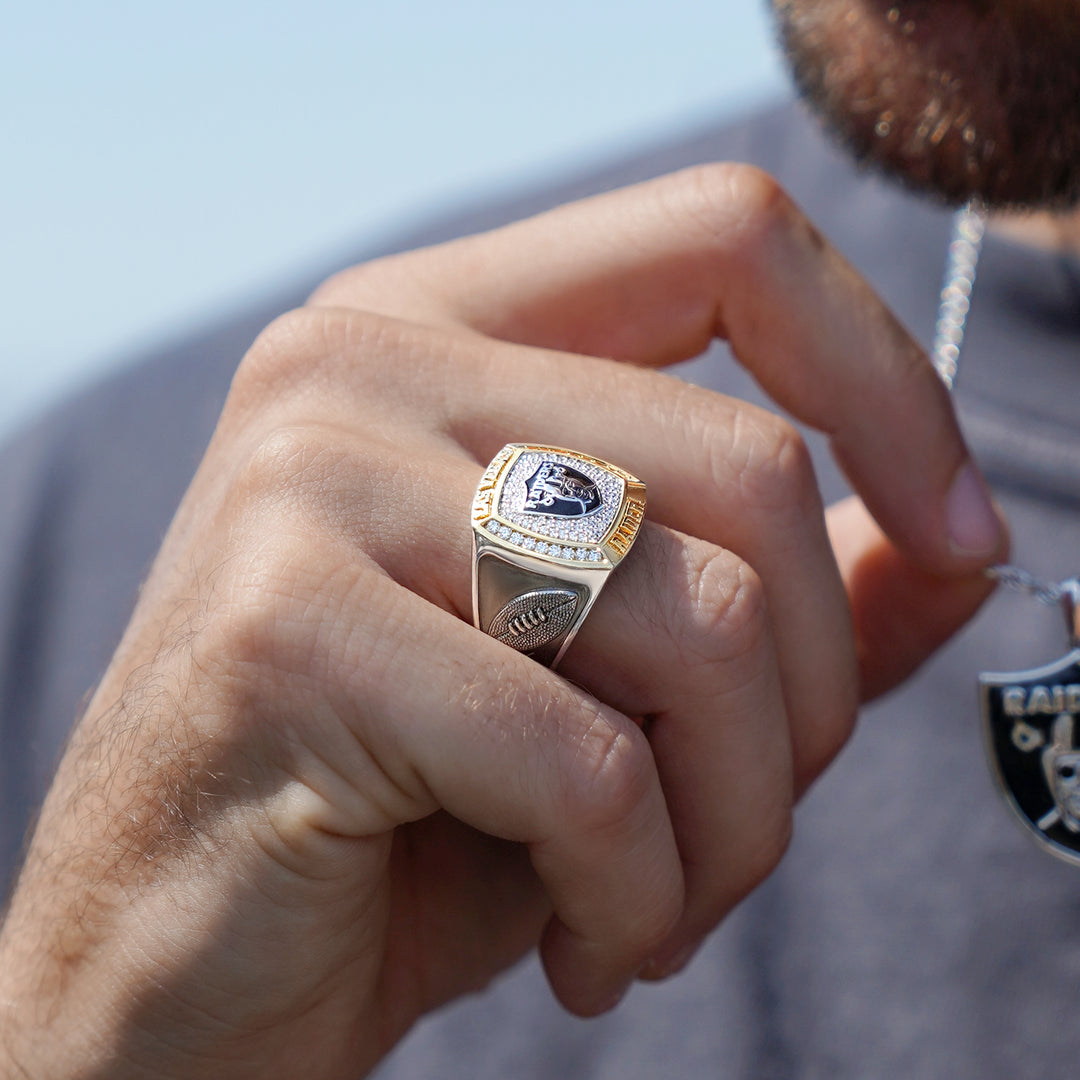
651, 274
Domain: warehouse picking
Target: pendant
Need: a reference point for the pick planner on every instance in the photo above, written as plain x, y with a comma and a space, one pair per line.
1030, 720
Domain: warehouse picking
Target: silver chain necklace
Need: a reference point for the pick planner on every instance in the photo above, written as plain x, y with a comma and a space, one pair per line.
1029, 717
961, 266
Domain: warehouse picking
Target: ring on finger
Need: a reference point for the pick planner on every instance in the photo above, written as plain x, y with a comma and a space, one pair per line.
549, 526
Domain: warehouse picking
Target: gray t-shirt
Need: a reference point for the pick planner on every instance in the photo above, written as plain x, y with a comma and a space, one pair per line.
913, 930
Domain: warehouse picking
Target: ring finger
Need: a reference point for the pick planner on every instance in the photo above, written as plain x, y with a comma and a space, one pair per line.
679, 636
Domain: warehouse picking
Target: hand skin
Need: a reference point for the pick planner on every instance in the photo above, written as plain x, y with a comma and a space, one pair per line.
309, 802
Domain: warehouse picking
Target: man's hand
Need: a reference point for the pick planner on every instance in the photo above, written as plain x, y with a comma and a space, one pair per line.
309, 802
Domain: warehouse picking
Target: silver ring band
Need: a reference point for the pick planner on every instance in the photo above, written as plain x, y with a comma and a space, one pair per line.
549, 526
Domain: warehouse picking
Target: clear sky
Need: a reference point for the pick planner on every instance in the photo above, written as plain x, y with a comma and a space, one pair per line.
161, 162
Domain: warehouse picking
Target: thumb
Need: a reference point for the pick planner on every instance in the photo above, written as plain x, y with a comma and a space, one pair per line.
901, 614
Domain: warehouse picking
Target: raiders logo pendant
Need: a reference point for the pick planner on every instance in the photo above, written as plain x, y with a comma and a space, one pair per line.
1030, 720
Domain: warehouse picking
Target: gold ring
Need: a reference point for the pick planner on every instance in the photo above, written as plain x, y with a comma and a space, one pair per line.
549, 526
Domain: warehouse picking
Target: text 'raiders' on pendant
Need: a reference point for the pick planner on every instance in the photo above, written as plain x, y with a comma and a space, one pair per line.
1030, 719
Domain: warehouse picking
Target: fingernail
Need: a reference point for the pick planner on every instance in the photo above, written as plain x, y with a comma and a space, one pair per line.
973, 524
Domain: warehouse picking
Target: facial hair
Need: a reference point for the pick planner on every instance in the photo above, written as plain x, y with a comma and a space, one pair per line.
962, 98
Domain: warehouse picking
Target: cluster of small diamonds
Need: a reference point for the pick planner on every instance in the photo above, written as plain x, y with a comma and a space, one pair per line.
589, 529
543, 547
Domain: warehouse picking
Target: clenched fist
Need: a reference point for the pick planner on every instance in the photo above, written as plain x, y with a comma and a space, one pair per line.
310, 802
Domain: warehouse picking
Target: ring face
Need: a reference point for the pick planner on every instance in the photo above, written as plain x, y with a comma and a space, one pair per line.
549, 525
557, 504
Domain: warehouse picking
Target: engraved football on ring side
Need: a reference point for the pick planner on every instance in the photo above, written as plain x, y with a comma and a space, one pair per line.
534, 618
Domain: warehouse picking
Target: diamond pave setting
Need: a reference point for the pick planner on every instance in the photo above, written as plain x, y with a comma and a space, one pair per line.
557, 504
589, 528
542, 547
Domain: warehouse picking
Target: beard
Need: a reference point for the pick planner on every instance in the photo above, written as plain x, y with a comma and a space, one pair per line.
961, 98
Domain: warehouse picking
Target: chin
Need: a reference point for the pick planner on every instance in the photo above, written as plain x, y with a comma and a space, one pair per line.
963, 99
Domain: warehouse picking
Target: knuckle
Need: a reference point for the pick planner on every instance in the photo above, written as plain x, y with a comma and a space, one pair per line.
758, 197
750, 455
727, 617
302, 347
264, 602
760, 202
773, 465
283, 565
286, 610
290, 338
283, 462
738, 205
750, 225
609, 773
612, 777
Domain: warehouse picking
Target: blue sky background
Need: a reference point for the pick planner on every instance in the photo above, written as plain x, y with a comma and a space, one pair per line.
158, 163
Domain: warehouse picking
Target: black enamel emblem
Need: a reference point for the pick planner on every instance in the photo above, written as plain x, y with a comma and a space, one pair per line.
560, 491
1031, 720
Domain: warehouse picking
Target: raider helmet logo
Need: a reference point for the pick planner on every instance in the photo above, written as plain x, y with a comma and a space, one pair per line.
1030, 719
561, 491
